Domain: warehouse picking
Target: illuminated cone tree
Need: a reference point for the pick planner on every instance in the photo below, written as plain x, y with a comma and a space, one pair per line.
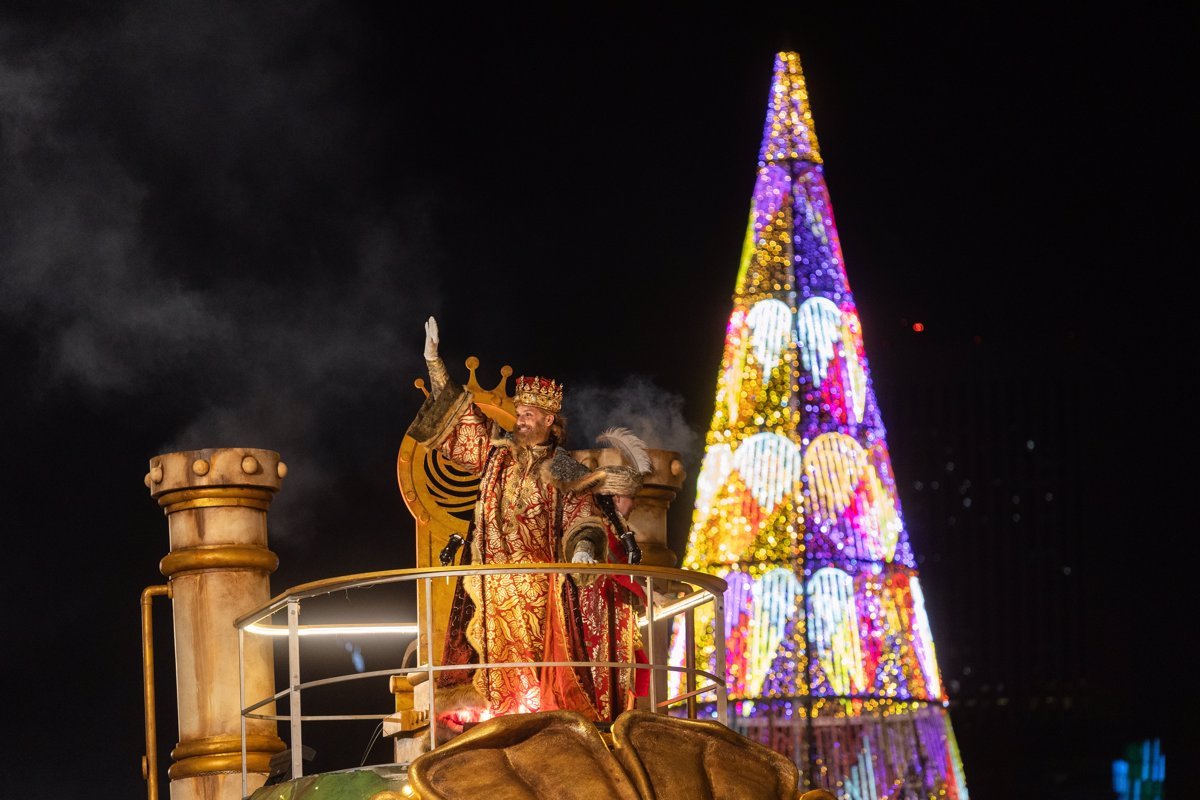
830, 656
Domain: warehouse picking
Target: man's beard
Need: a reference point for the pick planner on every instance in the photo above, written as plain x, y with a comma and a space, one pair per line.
530, 437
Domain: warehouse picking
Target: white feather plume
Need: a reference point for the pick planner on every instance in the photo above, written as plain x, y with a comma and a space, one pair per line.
633, 450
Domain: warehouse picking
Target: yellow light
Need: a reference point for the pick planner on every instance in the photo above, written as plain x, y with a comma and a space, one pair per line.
363, 629
677, 607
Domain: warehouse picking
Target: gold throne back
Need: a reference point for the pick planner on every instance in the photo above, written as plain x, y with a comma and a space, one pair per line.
441, 497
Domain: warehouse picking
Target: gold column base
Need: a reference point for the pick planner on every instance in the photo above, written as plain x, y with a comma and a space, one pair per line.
222, 557
222, 754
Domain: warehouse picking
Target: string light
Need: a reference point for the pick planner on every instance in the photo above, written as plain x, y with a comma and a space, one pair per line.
819, 325
833, 625
796, 504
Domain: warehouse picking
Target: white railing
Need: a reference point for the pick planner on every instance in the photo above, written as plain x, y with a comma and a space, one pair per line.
677, 592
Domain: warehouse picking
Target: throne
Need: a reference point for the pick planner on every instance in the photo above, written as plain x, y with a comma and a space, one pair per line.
441, 496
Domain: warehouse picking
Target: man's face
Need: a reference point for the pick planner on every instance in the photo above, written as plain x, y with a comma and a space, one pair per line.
624, 504
533, 425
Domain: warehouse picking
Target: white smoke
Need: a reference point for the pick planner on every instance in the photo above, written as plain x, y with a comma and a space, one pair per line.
185, 240
651, 412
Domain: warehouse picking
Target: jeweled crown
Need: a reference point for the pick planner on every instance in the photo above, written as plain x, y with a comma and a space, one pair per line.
543, 393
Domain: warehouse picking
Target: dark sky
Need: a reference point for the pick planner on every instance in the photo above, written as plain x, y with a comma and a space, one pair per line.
223, 224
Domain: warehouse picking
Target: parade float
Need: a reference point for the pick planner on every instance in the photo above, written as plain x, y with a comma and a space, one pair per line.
791, 656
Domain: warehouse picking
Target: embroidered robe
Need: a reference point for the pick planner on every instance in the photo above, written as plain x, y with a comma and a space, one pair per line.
520, 518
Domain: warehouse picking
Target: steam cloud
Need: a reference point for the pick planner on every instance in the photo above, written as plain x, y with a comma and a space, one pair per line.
199, 224
170, 223
648, 410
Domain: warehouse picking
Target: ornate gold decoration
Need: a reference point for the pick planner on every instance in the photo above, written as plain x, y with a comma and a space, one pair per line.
543, 393
559, 754
438, 494
218, 557
554, 754
495, 403
682, 759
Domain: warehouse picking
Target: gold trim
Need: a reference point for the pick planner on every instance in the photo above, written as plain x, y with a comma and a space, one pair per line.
494, 403
216, 497
218, 764
225, 745
150, 759
218, 502
221, 557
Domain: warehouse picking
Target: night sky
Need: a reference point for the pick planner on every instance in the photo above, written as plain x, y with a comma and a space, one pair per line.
224, 223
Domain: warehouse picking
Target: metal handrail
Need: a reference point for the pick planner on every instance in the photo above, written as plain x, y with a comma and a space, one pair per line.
708, 589
150, 759
304, 591
379, 673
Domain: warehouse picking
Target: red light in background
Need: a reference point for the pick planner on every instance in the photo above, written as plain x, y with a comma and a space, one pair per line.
918, 326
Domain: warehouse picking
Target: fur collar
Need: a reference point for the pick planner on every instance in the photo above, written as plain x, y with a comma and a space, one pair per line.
566, 474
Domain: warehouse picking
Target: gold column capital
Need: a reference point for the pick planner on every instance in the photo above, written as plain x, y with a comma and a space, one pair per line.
217, 468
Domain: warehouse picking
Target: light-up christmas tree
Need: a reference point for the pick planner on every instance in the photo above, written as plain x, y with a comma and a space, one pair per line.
830, 656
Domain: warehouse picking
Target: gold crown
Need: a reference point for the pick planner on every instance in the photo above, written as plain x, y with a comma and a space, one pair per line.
542, 393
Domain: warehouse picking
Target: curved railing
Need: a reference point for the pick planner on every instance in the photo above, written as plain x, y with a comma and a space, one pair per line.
672, 593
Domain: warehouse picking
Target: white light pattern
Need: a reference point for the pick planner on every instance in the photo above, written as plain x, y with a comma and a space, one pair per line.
925, 652
840, 478
860, 785
879, 528
856, 375
833, 630
834, 465
774, 602
718, 462
818, 328
770, 323
770, 464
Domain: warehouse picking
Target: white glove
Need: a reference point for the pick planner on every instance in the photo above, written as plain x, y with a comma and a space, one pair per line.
585, 553
431, 339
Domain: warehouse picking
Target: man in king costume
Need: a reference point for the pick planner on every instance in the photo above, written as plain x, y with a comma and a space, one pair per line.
522, 516
611, 605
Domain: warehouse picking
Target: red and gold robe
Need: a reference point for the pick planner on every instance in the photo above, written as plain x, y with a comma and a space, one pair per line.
520, 518
610, 608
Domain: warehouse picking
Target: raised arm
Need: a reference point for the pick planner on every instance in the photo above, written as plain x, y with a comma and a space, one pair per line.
438, 377
448, 420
